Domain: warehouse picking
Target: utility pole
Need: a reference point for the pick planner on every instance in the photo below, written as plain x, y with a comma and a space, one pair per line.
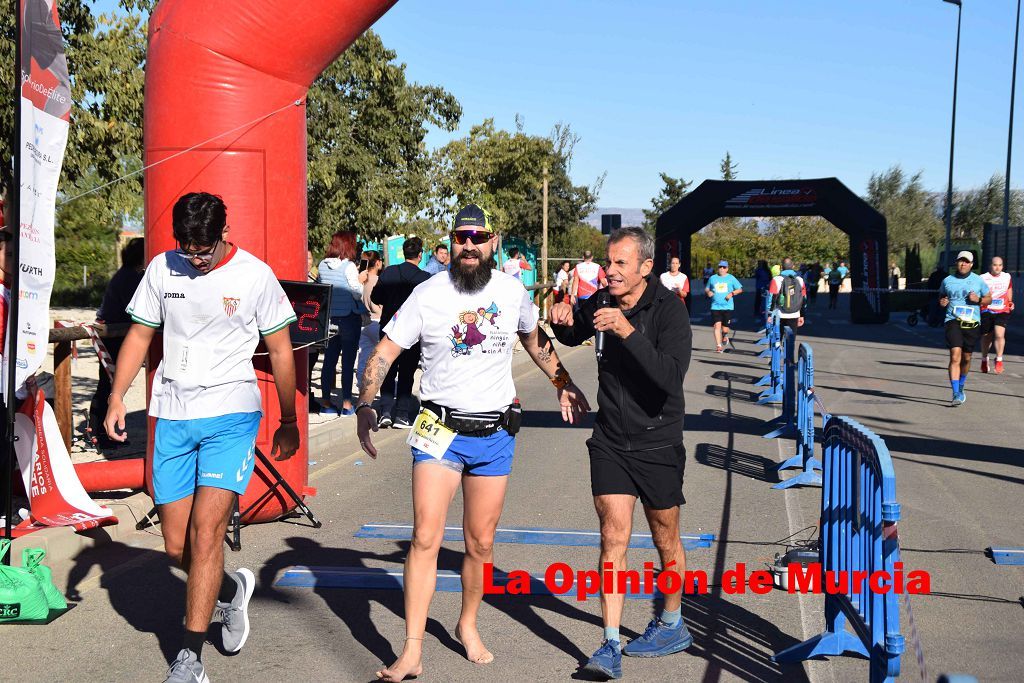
1009, 137
544, 231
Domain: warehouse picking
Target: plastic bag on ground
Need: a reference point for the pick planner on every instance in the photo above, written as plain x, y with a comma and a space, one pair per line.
21, 596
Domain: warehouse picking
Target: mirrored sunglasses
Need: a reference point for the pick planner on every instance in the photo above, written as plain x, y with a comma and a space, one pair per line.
460, 237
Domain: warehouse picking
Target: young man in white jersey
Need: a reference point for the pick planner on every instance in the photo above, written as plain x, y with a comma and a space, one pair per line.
466, 321
995, 316
675, 280
214, 301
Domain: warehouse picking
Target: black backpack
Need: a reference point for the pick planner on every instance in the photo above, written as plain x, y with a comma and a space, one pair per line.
791, 295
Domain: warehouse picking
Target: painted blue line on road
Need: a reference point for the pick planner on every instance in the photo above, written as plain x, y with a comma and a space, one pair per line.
567, 537
370, 578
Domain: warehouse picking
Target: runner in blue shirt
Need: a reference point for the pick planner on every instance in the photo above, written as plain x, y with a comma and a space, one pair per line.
962, 294
721, 288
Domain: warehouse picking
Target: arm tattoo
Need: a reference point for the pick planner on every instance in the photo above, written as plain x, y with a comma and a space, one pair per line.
373, 377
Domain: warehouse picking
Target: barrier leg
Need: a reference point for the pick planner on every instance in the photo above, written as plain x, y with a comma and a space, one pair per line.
835, 641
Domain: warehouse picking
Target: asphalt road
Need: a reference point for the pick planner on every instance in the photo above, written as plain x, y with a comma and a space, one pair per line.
958, 478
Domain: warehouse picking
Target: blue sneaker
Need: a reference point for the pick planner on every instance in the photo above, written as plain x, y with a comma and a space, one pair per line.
607, 661
330, 409
659, 639
958, 400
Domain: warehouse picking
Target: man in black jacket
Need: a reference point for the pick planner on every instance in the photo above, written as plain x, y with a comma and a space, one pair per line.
393, 287
636, 450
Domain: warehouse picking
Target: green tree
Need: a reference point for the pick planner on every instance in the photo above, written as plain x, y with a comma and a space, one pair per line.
728, 167
368, 166
572, 242
973, 208
502, 171
672, 191
911, 213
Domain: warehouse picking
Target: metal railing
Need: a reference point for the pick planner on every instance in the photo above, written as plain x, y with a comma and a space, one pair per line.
859, 513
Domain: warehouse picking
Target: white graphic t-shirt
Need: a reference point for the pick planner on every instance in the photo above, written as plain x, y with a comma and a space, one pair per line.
211, 326
998, 287
513, 267
466, 339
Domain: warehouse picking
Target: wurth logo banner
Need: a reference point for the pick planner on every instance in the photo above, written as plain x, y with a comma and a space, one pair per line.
774, 197
45, 112
54, 491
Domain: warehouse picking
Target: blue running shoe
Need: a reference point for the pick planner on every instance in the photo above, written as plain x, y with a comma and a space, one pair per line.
607, 661
958, 400
659, 640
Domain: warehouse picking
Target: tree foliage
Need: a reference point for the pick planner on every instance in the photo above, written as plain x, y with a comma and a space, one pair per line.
973, 208
911, 213
369, 170
671, 192
728, 167
502, 171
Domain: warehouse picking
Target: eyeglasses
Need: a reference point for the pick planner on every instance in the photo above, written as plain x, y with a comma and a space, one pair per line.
460, 237
201, 256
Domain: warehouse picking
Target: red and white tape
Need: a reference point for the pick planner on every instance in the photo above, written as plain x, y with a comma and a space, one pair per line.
101, 350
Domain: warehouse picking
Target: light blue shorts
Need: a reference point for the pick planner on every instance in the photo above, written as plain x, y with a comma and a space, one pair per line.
219, 452
487, 456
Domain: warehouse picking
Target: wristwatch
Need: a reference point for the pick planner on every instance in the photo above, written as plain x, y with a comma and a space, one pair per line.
362, 405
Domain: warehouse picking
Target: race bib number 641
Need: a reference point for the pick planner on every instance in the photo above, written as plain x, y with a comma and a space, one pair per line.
429, 435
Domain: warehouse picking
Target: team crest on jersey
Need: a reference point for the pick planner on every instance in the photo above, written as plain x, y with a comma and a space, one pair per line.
231, 305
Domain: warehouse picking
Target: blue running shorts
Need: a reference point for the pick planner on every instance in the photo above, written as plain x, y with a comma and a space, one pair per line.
486, 456
219, 452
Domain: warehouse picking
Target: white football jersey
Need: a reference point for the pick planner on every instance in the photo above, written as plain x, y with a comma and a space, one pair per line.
211, 326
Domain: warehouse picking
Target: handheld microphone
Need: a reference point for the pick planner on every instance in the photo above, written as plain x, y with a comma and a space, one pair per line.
603, 301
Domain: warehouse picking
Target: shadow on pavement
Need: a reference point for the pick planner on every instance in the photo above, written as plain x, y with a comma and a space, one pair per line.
147, 595
552, 419
711, 420
737, 462
729, 392
735, 377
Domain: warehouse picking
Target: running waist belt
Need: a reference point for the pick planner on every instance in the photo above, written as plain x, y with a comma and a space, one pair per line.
478, 424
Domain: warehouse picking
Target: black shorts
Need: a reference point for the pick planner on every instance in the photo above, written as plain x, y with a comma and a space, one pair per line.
965, 338
990, 321
724, 317
654, 476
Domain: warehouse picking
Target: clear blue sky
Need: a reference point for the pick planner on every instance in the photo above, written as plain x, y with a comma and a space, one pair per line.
792, 88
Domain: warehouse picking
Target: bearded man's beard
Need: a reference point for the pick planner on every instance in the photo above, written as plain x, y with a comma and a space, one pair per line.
471, 279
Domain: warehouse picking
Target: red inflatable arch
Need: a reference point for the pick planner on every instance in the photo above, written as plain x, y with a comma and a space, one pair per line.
215, 66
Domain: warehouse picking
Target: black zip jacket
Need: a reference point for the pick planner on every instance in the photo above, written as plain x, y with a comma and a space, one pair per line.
640, 378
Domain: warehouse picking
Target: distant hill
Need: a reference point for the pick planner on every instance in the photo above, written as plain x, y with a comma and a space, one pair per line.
629, 216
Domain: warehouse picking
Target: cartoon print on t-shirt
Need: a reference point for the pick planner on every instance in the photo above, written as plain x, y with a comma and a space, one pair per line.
489, 313
467, 333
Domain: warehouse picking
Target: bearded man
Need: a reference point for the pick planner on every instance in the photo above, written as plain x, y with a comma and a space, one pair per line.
465, 432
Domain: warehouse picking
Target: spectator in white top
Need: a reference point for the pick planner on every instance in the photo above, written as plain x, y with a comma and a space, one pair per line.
562, 282
214, 301
339, 270
515, 264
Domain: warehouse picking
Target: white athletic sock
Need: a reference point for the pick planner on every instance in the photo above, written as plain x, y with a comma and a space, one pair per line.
999, 359
985, 358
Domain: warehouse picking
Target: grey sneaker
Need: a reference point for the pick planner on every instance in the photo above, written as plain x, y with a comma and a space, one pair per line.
234, 615
186, 668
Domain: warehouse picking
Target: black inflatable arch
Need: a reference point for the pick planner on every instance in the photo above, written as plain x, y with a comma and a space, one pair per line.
825, 197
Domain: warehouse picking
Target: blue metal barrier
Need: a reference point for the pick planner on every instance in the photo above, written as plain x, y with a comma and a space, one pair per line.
773, 380
804, 426
785, 424
858, 534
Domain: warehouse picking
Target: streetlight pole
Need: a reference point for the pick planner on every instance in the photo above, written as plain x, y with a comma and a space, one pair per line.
952, 135
1009, 139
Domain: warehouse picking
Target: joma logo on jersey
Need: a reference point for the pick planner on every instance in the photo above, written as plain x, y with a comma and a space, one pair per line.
231, 305
173, 295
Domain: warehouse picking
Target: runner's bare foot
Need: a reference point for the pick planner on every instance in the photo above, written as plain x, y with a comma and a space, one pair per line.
407, 665
475, 650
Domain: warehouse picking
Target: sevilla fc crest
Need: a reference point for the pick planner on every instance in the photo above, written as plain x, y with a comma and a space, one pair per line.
230, 305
